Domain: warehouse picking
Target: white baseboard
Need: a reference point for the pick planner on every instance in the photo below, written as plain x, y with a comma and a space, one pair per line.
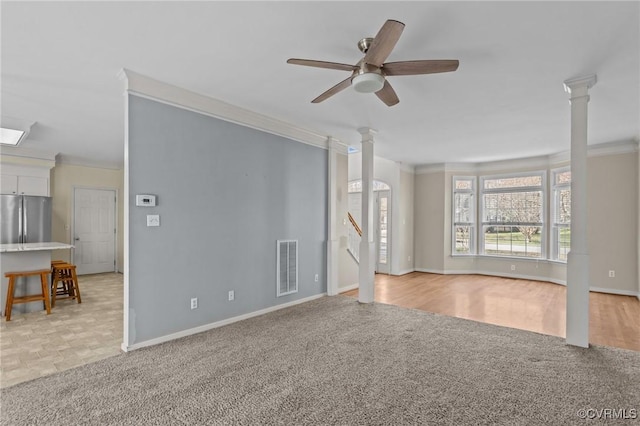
530, 277
615, 291
348, 288
405, 272
216, 324
491, 274
521, 277
436, 271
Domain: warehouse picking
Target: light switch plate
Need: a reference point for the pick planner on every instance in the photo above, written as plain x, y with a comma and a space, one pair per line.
153, 220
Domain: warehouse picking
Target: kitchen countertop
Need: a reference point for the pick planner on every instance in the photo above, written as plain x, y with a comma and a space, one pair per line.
11, 248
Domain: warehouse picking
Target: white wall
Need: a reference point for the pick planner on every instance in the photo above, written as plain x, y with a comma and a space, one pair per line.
406, 221
429, 221
612, 219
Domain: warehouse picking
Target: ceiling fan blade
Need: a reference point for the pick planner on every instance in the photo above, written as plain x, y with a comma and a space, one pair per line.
419, 67
322, 64
384, 42
335, 89
388, 95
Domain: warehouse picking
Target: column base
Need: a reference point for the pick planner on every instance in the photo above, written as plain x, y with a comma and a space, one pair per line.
366, 273
578, 300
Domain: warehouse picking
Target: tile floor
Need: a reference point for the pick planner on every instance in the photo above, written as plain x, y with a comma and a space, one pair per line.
35, 344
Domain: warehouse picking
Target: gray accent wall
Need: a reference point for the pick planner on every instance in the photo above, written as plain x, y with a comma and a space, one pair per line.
225, 194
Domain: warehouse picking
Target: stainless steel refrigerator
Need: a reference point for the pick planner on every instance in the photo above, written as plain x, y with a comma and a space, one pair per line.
25, 219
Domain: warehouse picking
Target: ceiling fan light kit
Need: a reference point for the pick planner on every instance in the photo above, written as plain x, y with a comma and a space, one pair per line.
368, 82
369, 74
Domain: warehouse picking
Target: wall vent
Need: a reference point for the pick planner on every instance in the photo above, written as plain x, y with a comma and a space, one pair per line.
287, 267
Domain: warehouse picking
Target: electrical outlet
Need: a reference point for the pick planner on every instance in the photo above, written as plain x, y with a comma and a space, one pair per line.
194, 303
513, 267
316, 278
232, 295
408, 258
612, 274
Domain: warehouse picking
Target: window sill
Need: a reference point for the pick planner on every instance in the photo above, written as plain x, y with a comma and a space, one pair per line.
509, 258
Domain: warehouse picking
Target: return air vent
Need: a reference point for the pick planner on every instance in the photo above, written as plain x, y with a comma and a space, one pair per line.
287, 273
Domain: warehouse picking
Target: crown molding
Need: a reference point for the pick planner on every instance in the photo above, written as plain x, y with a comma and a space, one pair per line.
545, 161
147, 87
538, 162
27, 157
337, 145
424, 169
407, 168
612, 148
70, 160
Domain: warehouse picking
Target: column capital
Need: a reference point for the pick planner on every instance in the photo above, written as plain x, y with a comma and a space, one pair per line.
367, 134
579, 86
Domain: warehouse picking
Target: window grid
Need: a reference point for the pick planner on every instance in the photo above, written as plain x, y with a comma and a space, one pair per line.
512, 211
464, 216
561, 214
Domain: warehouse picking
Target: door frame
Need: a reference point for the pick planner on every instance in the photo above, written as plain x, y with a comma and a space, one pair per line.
377, 229
385, 188
72, 228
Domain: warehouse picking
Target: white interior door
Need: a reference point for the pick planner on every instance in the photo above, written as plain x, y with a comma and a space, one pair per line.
382, 226
94, 230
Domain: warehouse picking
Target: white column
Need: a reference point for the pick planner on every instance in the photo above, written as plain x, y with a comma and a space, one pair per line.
333, 243
367, 245
578, 257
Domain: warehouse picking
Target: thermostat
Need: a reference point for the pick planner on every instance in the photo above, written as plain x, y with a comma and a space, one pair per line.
146, 200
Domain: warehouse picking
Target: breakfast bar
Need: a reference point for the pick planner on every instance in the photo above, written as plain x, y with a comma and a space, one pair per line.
25, 257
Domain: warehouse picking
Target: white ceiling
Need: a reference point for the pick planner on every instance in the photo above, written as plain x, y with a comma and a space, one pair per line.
60, 63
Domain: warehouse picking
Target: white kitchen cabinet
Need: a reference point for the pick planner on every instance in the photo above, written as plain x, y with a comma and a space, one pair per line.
27, 185
8, 184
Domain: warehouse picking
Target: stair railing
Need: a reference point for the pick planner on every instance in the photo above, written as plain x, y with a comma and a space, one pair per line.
355, 236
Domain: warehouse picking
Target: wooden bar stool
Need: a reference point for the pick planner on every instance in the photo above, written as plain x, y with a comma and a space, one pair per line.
44, 296
64, 282
53, 263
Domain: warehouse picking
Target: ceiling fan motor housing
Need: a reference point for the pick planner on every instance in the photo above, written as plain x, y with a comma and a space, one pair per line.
364, 44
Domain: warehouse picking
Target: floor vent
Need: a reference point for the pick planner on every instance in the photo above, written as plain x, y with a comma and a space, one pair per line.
287, 274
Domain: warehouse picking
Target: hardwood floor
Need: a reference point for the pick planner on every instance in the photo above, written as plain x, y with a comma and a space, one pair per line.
526, 305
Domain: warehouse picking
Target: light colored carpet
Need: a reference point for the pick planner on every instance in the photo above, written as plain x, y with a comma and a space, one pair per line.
335, 361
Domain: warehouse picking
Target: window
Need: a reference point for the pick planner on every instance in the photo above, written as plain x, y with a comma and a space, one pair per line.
356, 186
512, 215
561, 214
464, 215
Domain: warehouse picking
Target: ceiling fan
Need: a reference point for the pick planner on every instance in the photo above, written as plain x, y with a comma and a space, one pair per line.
368, 75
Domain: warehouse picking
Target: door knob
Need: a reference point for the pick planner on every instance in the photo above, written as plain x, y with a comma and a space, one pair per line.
77, 239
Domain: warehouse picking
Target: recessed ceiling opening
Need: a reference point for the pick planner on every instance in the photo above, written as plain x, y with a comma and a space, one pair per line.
11, 136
